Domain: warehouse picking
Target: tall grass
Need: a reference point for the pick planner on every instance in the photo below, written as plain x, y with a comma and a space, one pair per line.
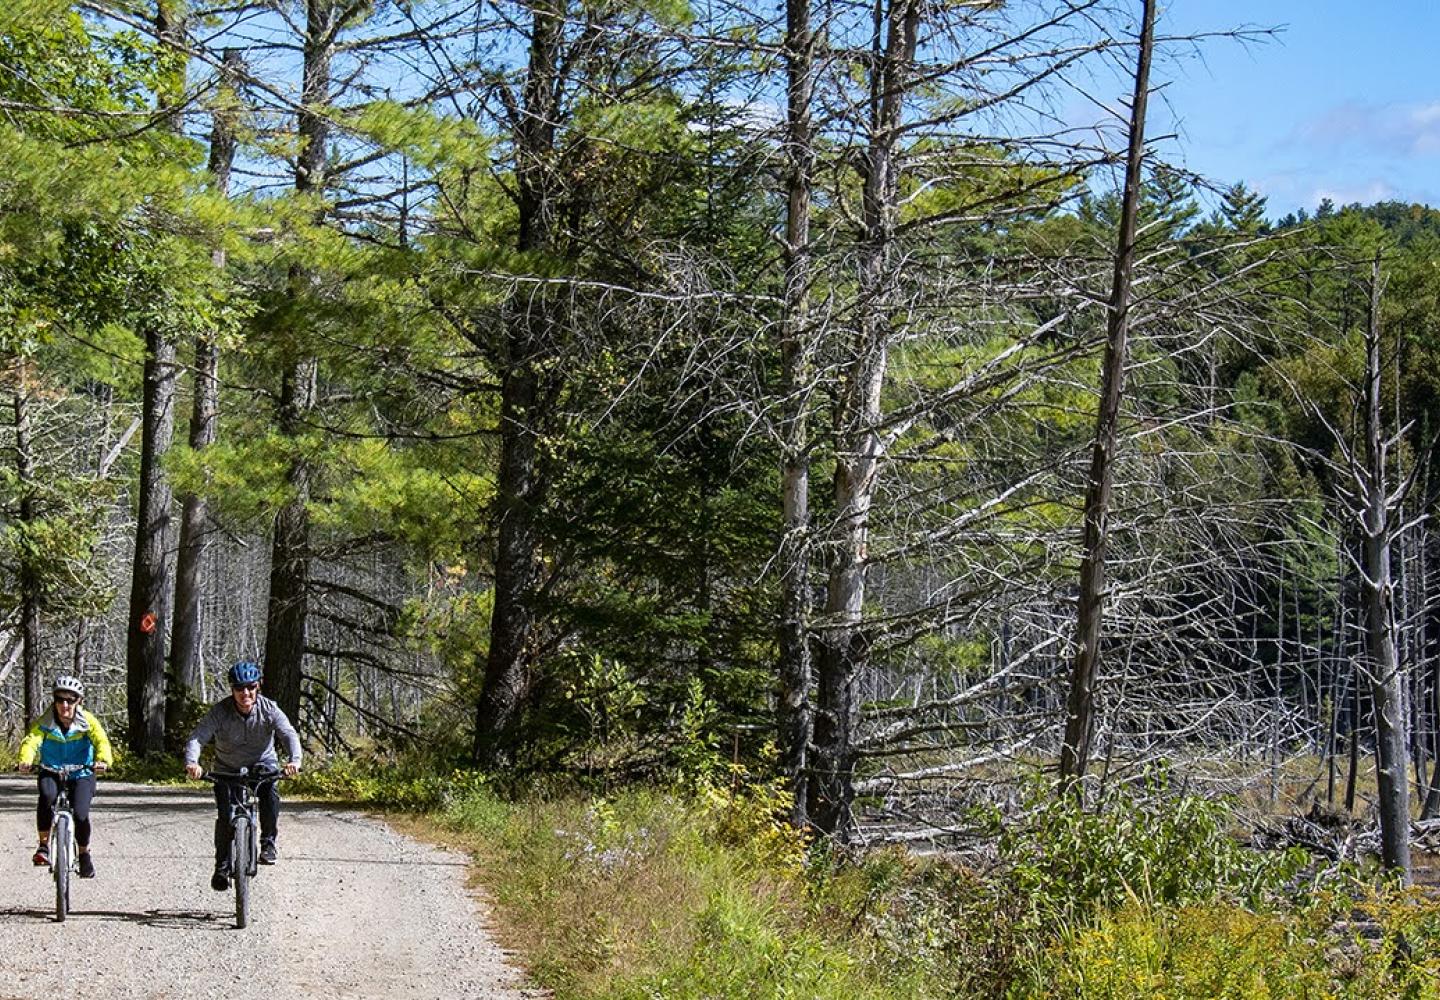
650, 894
653, 894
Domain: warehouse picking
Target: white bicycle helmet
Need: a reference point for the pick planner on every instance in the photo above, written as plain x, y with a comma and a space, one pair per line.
65, 682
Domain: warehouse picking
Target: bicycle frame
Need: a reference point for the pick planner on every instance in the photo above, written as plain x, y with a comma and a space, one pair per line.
64, 855
244, 831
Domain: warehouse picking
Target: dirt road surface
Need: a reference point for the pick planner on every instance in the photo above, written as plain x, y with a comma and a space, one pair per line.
353, 910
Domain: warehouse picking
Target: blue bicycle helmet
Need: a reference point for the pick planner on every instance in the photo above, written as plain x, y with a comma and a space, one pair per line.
245, 672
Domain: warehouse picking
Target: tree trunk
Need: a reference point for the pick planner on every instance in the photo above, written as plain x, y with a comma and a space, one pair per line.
1278, 702
516, 570
1330, 763
29, 583
150, 573
794, 722
1352, 770
287, 612
185, 662
150, 577
1429, 664
520, 487
1387, 682
1431, 808
1080, 706
844, 646
287, 609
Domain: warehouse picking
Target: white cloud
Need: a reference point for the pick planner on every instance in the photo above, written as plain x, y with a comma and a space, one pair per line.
1365, 193
1287, 190
1403, 130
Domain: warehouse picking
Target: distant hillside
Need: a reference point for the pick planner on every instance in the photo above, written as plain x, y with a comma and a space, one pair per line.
1405, 222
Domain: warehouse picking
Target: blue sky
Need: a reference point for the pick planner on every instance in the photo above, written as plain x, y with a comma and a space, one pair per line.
1344, 102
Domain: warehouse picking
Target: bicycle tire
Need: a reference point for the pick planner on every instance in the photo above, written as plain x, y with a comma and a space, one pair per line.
240, 869
60, 865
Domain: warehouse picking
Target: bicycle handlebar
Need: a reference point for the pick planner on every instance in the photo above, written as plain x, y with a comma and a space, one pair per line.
244, 775
64, 770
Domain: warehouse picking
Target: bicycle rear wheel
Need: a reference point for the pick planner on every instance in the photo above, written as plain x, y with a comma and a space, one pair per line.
60, 864
240, 868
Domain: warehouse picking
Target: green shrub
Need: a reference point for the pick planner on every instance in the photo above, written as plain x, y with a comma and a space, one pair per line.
923, 919
150, 769
747, 948
1070, 862
745, 816
402, 783
1225, 952
1212, 952
1381, 942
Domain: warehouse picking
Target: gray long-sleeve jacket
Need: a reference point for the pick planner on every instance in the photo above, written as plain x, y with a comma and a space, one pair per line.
244, 740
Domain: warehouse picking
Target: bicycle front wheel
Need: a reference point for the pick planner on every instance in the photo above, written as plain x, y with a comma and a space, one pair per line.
240, 861
60, 864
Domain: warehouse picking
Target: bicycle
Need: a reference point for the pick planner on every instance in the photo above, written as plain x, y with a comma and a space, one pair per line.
64, 857
244, 832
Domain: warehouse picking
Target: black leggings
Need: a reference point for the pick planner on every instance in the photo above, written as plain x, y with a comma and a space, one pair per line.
82, 790
225, 793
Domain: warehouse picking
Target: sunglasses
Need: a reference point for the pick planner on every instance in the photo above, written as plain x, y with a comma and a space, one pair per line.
65, 700
244, 687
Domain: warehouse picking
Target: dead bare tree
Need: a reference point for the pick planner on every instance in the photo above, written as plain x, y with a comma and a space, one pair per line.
1371, 505
857, 420
1378, 509
797, 349
1075, 752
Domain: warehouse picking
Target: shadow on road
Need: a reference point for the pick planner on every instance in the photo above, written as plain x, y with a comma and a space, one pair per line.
139, 798
104, 801
150, 918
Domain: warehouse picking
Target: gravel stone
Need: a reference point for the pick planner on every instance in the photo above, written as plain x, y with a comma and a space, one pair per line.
352, 911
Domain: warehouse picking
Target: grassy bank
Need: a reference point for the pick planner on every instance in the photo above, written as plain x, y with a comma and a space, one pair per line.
651, 894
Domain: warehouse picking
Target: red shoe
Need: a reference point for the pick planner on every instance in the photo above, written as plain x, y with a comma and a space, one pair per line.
42, 855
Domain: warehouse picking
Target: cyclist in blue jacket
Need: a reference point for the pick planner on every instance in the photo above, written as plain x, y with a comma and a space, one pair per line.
66, 735
243, 728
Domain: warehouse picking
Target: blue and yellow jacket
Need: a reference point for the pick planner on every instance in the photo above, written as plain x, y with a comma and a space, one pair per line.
84, 742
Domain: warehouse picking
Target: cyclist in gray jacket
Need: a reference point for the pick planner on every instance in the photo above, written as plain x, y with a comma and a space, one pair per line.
243, 728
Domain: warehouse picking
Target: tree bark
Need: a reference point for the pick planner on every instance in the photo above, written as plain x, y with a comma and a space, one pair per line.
150, 576
287, 611
1080, 706
185, 661
150, 585
516, 571
520, 487
1431, 809
34, 695
1352, 766
1387, 682
794, 720
844, 646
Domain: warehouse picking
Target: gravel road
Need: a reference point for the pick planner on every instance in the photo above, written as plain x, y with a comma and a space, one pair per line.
353, 910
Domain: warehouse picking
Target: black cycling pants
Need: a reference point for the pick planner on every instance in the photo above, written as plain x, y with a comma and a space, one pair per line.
225, 793
81, 790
